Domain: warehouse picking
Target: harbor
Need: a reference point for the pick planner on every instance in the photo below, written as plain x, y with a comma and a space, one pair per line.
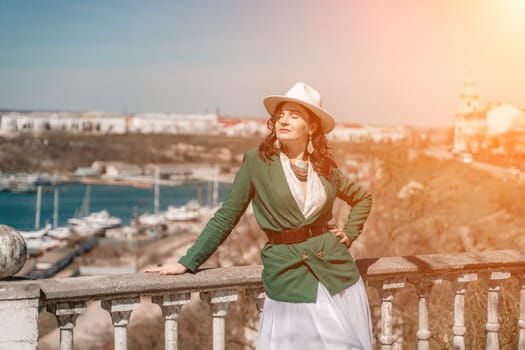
18, 210
60, 223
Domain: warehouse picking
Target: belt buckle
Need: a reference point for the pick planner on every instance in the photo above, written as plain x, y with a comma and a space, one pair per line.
310, 232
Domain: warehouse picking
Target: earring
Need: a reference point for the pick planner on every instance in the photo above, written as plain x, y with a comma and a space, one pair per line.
277, 144
310, 146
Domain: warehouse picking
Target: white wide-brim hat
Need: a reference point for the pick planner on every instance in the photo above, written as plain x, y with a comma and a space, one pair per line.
306, 96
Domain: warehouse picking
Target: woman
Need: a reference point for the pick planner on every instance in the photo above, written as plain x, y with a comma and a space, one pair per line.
315, 298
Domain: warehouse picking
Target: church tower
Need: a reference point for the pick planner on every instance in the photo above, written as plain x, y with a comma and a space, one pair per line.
469, 99
470, 124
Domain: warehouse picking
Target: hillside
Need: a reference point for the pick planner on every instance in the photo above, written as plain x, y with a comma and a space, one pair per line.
66, 152
458, 209
454, 208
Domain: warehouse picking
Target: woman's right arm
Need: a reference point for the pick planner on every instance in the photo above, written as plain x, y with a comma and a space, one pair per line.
176, 269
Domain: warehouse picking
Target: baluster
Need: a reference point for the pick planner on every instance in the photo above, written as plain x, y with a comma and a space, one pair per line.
458, 329
521, 322
171, 306
218, 301
386, 293
66, 315
492, 309
120, 310
423, 289
386, 337
258, 295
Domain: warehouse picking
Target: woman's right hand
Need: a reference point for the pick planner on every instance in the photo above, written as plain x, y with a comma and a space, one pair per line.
175, 269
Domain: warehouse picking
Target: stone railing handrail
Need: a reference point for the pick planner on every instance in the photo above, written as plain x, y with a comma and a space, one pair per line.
132, 284
100, 287
120, 295
433, 264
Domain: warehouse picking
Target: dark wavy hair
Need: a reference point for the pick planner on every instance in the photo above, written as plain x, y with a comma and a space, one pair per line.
321, 159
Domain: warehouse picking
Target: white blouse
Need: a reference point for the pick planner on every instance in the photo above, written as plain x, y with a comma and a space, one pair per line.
315, 197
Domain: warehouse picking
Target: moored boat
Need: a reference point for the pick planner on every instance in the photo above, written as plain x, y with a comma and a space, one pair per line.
151, 219
189, 212
36, 233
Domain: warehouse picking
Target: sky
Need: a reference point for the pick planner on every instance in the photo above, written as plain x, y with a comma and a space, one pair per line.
381, 62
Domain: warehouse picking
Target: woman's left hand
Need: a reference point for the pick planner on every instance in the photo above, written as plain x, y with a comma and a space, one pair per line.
337, 232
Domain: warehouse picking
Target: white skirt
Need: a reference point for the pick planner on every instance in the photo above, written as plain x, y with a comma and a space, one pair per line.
334, 322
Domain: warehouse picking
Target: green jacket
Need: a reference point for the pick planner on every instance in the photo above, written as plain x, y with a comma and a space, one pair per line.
291, 271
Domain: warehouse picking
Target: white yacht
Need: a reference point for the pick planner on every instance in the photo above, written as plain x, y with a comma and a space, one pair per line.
36, 233
189, 212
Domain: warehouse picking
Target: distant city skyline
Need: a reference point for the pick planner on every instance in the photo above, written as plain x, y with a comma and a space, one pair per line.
381, 62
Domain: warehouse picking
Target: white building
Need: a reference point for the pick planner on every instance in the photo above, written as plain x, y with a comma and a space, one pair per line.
38, 122
363, 133
349, 133
473, 126
107, 123
173, 123
121, 169
388, 134
243, 127
470, 123
505, 118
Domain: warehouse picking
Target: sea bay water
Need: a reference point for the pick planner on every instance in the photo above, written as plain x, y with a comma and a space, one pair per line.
18, 210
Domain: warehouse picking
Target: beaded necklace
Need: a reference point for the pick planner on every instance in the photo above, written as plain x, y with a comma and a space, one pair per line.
300, 169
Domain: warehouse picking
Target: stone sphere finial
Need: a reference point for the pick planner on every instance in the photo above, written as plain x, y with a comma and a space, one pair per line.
13, 251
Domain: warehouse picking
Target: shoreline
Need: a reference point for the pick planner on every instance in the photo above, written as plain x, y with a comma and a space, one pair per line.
149, 183
110, 182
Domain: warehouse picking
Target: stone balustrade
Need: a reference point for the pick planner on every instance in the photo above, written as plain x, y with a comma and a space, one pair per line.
120, 295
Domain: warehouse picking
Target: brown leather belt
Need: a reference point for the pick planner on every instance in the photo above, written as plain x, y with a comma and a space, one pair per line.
297, 235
